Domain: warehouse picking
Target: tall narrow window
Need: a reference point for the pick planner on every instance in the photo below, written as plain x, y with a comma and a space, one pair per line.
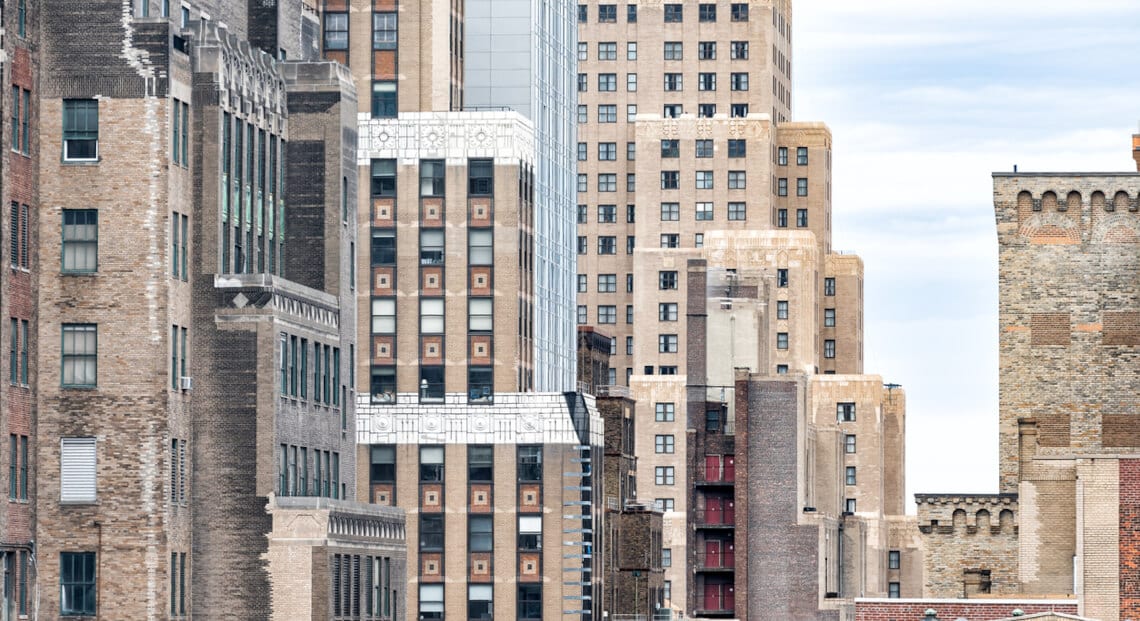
77, 583
384, 32
77, 470
79, 355
336, 31
384, 99
80, 129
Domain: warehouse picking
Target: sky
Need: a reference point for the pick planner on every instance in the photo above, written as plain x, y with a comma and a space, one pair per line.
925, 99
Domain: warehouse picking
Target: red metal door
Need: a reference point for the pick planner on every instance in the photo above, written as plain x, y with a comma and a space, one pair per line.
729, 597
729, 511
712, 596
712, 468
714, 510
729, 555
712, 553
730, 468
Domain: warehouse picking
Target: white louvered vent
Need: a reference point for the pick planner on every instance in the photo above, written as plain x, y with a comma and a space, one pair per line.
77, 470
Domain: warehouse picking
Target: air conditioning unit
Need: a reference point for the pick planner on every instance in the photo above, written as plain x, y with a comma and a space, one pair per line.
187, 383
726, 305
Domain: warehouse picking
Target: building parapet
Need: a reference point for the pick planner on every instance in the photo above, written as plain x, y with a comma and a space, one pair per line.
244, 292
504, 135
347, 521
945, 513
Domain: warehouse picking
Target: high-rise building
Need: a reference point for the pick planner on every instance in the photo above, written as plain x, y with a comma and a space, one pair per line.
463, 418
186, 439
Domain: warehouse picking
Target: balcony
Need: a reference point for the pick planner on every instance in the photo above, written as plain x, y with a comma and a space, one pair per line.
714, 560
718, 519
716, 471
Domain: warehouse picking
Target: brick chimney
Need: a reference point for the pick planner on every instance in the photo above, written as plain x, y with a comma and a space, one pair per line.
1136, 150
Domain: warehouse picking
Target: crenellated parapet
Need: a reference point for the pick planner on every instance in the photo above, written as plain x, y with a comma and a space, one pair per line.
974, 513
970, 543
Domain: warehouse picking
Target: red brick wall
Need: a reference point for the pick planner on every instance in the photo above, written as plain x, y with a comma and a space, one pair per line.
912, 610
1129, 538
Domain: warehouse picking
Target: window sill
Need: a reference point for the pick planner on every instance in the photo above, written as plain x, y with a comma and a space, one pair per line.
78, 273
20, 268
78, 503
67, 162
79, 387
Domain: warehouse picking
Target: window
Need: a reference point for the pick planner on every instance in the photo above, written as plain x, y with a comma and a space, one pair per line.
704, 148
829, 317
480, 246
782, 309
18, 354
849, 476
582, 157
607, 50
706, 81
79, 355
480, 178
670, 240
849, 443
607, 151
670, 180
431, 598
582, 13
607, 214
801, 218
663, 475
738, 111
631, 50
849, 506
704, 211
666, 280
336, 31
664, 504
739, 50
383, 178
630, 113
631, 13
737, 211
706, 111
583, 113
583, 287
667, 311
77, 595
384, 100
670, 148
530, 463
738, 81
893, 590
630, 241
583, 50
666, 557
607, 283
80, 240
631, 152
22, 18
781, 369
737, 179
582, 182
383, 247
699, 240
479, 533
829, 348
607, 244
629, 345
782, 186
782, 218
782, 277
607, 314
77, 470
15, 118
894, 559
21, 119
704, 179
667, 343
739, 11
431, 532
382, 468
781, 340
383, 384
607, 82
530, 602
629, 313
582, 314
180, 243
665, 412
431, 177
672, 111
782, 156
480, 315
431, 315
384, 31
80, 129
607, 114
607, 13
674, 82
845, 412
530, 532
431, 247
801, 187
663, 443
431, 464
706, 12
801, 156
706, 50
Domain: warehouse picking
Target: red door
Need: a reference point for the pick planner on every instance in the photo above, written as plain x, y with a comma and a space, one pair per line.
714, 510
712, 554
729, 512
713, 596
712, 468
729, 598
730, 468
729, 555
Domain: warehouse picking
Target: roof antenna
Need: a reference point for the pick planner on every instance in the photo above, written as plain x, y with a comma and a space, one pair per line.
1015, 168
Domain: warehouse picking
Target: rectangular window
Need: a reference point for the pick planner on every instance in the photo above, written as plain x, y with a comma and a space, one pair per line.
664, 504
782, 218
530, 533
22, 18
801, 156
704, 148
631, 13
530, 463
894, 590
77, 470
663, 475
382, 468
666, 279
781, 340
706, 81
431, 177
782, 156
629, 345
670, 240
670, 148
607, 182
699, 240
583, 283
630, 113
674, 50
829, 348
383, 316
845, 412
480, 246
704, 211
667, 311
801, 218
673, 13
530, 601
706, 50
663, 443
583, 181
670, 212
739, 11
782, 309
737, 180
22, 337
737, 211
706, 12
480, 315
13, 467
431, 246
894, 559
849, 443
738, 81
480, 463
607, 13
781, 187
704, 179
782, 277
607, 283
79, 355
607, 82
582, 244
384, 30
664, 412
77, 584
631, 151
431, 315
801, 187
630, 241
583, 50
829, 317
849, 475
849, 506
706, 110
80, 129
666, 557
479, 533
607, 313
667, 343
583, 82
738, 111
336, 31
480, 178
583, 15
674, 82
383, 178
739, 50
583, 113
672, 111
431, 464
670, 180
582, 211
607, 50
431, 533
383, 384
629, 313
829, 286
607, 244
607, 151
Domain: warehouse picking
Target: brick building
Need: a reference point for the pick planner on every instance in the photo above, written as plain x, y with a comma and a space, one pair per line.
1063, 523
196, 214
